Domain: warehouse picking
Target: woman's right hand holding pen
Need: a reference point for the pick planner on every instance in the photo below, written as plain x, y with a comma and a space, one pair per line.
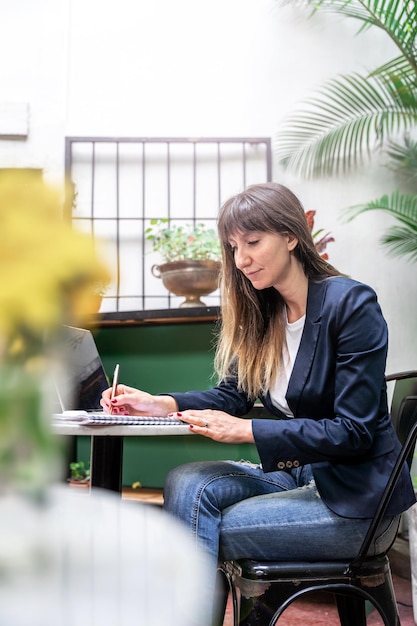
131, 401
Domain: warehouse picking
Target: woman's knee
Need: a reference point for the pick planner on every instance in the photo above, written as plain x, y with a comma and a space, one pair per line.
190, 473
190, 478
188, 486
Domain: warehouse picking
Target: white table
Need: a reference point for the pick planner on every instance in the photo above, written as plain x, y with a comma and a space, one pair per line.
106, 456
113, 430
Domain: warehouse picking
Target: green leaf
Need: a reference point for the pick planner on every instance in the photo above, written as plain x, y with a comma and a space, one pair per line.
350, 116
399, 240
398, 18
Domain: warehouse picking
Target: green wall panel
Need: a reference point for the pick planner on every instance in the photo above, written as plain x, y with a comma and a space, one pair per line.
176, 357
149, 459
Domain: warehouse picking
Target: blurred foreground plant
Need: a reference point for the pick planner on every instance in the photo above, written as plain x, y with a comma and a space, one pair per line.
47, 274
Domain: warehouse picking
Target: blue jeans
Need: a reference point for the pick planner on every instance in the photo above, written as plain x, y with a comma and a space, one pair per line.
235, 510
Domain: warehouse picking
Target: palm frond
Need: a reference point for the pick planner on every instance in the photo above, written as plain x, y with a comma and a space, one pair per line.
399, 240
400, 88
404, 158
399, 65
349, 116
335, 129
403, 207
398, 18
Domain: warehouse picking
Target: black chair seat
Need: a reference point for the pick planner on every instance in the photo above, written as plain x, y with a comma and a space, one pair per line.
301, 570
264, 590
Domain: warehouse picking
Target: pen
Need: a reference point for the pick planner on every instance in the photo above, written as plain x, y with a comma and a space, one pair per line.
114, 385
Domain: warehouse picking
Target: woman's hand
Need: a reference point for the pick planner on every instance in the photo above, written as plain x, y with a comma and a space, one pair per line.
218, 425
131, 401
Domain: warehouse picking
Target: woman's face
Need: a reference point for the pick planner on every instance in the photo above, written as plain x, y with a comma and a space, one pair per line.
263, 257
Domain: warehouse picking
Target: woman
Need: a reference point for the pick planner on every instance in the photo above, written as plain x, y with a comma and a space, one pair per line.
312, 345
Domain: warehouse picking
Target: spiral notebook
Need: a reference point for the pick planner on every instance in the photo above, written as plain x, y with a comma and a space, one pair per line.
79, 388
105, 419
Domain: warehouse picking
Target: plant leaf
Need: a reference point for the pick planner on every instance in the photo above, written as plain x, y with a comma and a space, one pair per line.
400, 240
404, 158
401, 206
350, 116
398, 18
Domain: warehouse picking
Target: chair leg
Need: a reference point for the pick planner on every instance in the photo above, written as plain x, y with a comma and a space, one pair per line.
351, 611
352, 608
384, 596
221, 597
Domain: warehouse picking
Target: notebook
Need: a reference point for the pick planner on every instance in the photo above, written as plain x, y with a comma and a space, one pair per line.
80, 385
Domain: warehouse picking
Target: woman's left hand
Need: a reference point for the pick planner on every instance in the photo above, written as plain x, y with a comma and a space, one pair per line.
218, 425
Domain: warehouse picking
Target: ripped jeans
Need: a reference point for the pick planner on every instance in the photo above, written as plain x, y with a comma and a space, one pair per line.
235, 510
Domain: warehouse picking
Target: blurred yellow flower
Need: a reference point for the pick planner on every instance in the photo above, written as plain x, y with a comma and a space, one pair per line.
48, 275
47, 269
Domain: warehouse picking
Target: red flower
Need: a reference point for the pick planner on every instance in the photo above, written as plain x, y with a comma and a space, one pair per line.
321, 243
310, 219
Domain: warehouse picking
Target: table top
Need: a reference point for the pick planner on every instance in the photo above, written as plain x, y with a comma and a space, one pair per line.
120, 430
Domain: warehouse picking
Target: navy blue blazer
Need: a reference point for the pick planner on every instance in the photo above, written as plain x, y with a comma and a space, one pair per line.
337, 393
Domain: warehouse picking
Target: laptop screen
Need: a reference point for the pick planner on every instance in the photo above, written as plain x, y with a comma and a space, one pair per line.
85, 378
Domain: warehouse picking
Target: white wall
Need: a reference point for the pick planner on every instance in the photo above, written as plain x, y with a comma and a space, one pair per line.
33, 49
194, 68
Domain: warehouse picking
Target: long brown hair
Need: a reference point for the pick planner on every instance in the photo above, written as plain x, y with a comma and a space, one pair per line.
252, 328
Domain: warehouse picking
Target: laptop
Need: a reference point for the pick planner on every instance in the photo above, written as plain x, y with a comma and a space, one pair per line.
80, 384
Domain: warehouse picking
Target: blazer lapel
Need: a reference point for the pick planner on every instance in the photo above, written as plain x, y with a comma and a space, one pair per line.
308, 345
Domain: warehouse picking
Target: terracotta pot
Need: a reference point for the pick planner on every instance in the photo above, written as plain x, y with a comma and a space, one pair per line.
189, 278
83, 484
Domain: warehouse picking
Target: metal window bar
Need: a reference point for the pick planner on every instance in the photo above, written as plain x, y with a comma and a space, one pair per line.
120, 183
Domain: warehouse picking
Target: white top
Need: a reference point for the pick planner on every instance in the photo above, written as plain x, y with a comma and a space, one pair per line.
293, 334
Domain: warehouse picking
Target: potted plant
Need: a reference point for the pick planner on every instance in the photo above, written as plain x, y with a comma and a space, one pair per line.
79, 474
191, 257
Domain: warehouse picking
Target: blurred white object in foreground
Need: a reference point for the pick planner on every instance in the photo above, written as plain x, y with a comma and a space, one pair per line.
95, 560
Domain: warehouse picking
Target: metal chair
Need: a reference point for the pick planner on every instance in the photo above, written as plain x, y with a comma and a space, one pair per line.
262, 590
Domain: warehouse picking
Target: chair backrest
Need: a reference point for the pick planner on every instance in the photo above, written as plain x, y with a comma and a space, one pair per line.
406, 422
405, 388
404, 417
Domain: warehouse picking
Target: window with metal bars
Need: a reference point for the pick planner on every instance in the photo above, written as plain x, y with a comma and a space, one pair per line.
119, 184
